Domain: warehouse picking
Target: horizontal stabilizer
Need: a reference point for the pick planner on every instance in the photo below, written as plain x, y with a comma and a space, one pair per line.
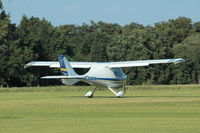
62, 77
69, 81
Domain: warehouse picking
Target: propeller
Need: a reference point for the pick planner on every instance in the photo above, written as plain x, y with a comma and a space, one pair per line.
124, 89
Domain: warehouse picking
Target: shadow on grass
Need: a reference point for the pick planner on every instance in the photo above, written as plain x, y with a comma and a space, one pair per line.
95, 97
114, 97
9, 117
159, 96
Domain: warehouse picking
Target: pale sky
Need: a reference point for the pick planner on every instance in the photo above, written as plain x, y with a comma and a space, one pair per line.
146, 12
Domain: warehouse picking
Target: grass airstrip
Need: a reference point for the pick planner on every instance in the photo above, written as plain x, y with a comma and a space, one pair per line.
144, 109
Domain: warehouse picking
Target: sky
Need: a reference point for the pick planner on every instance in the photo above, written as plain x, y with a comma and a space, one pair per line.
60, 12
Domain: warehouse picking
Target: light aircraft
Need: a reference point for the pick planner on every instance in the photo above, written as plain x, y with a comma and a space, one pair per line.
106, 74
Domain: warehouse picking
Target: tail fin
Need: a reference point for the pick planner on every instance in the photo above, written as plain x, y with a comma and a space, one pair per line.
65, 66
67, 69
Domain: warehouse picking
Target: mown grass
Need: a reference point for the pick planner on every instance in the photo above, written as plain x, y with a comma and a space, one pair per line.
85, 88
144, 109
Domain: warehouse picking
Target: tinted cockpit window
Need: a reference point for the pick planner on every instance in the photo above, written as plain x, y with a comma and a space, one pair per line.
117, 72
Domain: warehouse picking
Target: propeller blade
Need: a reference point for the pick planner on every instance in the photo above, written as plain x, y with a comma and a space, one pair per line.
124, 89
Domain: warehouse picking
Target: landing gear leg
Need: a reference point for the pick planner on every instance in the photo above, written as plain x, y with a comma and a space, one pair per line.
119, 94
90, 94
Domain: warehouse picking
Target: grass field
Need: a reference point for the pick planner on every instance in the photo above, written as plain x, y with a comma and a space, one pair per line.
144, 109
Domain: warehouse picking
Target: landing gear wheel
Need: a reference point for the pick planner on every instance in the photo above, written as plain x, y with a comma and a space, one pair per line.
120, 94
90, 96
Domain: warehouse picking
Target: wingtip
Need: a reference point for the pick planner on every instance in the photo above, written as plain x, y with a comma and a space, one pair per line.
25, 66
28, 64
179, 61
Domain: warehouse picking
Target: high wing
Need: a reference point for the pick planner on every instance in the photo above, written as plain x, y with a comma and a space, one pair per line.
55, 64
62, 77
143, 62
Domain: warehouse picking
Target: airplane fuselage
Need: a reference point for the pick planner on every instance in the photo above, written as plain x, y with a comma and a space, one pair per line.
100, 75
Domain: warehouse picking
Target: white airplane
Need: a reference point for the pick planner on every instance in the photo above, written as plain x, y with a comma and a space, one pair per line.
106, 74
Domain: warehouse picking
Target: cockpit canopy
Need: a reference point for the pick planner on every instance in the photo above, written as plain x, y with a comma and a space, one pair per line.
118, 72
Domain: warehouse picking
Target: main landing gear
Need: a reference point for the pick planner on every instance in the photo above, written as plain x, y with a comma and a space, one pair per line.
90, 94
119, 93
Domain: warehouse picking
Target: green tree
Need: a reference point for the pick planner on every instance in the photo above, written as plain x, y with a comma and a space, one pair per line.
13, 56
62, 42
189, 50
4, 42
128, 29
118, 47
176, 30
196, 27
1, 6
38, 39
98, 48
36, 35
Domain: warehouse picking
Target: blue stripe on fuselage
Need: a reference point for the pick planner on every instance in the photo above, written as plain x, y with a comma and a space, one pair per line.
112, 79
109, 80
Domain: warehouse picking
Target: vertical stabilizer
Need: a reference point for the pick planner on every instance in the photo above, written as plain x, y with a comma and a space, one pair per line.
65, 66
67, 69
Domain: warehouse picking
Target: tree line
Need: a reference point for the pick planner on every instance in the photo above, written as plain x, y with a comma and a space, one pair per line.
36, 39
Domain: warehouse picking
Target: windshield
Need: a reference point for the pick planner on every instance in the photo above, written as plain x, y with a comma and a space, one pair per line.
118, 72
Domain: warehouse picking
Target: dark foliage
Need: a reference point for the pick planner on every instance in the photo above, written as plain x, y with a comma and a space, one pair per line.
38, 39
